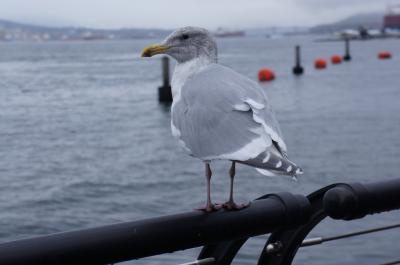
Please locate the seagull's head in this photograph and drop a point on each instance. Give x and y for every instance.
(185, 44)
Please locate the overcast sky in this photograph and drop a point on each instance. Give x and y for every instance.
(175, 13)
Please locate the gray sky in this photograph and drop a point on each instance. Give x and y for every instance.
(175, 13)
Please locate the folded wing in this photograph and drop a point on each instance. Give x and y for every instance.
(224, 115)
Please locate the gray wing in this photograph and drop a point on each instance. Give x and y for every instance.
(224, 115)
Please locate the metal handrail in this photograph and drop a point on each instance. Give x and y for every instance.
(289, 218)
(339, 201)
(355, 200)
(133, 240)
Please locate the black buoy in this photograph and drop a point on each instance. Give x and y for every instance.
(347, 56)
(164, 91)
(298, 69)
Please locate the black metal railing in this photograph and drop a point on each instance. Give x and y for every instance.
(289, 218)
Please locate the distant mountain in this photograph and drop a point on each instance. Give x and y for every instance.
(13, 31)
(5, 24)
(369, 21)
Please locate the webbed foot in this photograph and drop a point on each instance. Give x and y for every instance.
(232, 206)
(209, 208)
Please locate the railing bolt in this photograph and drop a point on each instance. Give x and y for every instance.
(274, 247)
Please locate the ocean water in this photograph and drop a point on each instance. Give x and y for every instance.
(84, 142)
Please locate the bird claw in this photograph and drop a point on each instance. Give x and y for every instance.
(209, 208)
(232, 206)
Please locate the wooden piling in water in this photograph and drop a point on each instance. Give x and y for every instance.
(164, 91)
(297, 69)
(347, 56)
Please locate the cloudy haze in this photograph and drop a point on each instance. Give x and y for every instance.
(175, 13)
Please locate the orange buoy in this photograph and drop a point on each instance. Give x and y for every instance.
(336, 59)
(384, 55)
(320, 63)
(266, 74)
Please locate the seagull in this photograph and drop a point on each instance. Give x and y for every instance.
(219, 114)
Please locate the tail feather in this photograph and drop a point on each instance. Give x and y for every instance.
(272, 163)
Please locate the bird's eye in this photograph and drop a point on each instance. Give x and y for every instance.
(185, 36)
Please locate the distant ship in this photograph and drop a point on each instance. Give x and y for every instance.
(392, 17)
(223, 33)
(390, 28)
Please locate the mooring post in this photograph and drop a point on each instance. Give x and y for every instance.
(347, 56)
(164, 91)
(297, 69)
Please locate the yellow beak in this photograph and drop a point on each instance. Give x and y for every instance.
(154, 49)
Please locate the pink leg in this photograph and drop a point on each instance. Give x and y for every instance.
(230, 204)
(209, 206)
